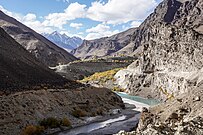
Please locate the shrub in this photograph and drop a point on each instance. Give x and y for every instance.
(79, 113)
(50, 123)
(33, 130)
(99, 111)
(117, 89)
(66, 122)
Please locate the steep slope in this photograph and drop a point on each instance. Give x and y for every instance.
(169, 68)
(171, 57)
(44, 50)
(19, 69)
(104, 46)
(181, 116)
(63, 41)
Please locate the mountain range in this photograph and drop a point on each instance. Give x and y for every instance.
(64, 41)
(106, 46)
(169, 68)
(44, 50)
(30, 92)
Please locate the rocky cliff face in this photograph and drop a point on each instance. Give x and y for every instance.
(43, 49)
(171, 51)
(105, 46)
(170, 67)
(181, 116)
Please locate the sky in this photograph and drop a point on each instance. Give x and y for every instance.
(88, 19)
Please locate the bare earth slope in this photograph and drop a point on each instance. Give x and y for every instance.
(21, 109)
(43, 49)
(106, 46)
(19, 69)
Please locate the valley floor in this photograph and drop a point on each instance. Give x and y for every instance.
(125, 119)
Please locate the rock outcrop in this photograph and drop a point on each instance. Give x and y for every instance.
(171, 58)
(43, 49)
(182, 116)
(107, 46)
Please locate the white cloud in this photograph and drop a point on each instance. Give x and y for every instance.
(119, 11)
(30, 17)
(15, 15)
(113, 12)
(74, 10)
(98, 28)
(80, 33)
(135, 24)
(29, 20)
(101, 30)
(76, 25)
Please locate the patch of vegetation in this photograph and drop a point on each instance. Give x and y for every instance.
(79, 113)
(54, 123)
(102, 77)
(117, 89)
(65, 122)
(99, 111)
(45, 124)
(33, 130)
(50, 123)
(114, 59)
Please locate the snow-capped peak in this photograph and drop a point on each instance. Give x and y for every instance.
(64, 41)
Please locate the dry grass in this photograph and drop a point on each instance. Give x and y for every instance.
(33, 130)
(79, 113)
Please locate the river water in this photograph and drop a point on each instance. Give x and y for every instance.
(127, 120)
(149, 102)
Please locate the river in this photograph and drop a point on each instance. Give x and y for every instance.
(126, 120)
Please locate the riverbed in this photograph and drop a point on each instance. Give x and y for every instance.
(125, 120)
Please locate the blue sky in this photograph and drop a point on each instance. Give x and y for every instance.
(88, 19)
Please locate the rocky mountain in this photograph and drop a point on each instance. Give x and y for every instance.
(43, 49)
(106, 46)
(63, 41)
(169, 68)
(20, 70)
(170, 59)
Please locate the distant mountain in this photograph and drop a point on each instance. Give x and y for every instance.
(43, 49)
(19, 69)
(64, 41)
(105, 46)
